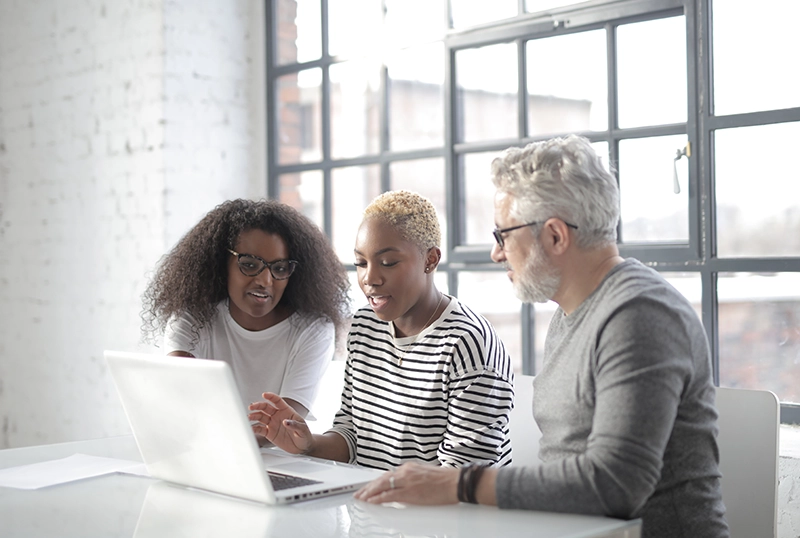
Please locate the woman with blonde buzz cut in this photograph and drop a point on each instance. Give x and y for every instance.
(427, 379)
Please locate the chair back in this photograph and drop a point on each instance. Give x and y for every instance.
(749, 423)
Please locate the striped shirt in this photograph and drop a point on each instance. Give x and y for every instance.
(443, 396)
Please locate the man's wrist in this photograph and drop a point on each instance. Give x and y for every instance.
(468, 478)
(485, 490)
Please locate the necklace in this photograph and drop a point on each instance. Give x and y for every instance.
(413, 344)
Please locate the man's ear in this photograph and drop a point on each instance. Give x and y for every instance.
(556, 236)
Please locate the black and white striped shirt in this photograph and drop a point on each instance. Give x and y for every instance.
(443, 396)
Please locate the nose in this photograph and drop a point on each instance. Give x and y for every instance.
(498, 254)
(370, 275)
(264, 278)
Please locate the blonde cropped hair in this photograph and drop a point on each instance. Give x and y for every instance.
(411, 214)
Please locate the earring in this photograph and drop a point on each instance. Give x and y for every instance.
(427, 269)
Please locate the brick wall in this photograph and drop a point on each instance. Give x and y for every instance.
(121, 123)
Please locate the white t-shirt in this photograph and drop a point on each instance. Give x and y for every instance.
(288, 359)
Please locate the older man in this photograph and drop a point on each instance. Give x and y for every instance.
(625, 399)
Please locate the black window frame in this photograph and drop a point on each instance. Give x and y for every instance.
(698, 256)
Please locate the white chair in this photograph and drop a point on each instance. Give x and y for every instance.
(749, 422)
(523, 429)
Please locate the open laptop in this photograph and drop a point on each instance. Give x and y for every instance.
(187, 417)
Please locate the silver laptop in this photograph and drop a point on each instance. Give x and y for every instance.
(187, 417)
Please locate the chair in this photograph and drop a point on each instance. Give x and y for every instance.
(523, 429)
(748, 451)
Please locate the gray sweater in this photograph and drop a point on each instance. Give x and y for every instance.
(625, 403)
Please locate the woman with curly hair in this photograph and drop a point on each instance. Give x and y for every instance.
(257, 285)
(427, 379)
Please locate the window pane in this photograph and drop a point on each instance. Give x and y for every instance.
(298, 35)
(567, 84)
(479, 197)
(532, 6)
(651, 58)
(410, 22)
(355, 109)
(491, 295)
(416, 97)
(486, 79)
(759, 332)
(601, 148)
(303, 191)
(755, 65)
(651, 211)
(299, 117)
(425, 176)
(355, 27)
(352, 189)
(690, 285)
(466, 13)
(757, 193)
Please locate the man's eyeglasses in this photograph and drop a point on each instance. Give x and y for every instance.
(251, 265)
(498, 233)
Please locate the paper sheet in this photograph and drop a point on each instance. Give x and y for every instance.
(75, 467)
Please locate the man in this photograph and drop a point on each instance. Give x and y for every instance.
(625, 399)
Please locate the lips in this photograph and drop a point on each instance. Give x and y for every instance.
(260, 295)
(509, 271)
(378, 302)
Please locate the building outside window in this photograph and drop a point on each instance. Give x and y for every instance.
(699, 125)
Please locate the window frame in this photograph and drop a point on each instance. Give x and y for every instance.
(698, 256)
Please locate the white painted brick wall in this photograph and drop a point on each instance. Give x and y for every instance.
(121, 124)
(789, 498)
(212, 121)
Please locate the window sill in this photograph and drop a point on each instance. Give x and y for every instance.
(789, 441)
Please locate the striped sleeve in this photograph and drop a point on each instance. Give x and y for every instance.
(481, 397)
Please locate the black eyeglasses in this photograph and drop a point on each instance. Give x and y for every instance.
(251, 265)
(498, 233)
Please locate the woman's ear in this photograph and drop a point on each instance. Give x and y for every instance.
(432, 258)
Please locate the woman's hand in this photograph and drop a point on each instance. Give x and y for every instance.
(281, 424)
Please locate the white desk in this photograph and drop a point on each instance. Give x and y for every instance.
(125, 506)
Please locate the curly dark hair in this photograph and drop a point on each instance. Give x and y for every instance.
(193, 277)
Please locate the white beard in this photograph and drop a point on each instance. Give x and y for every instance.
(537, 281)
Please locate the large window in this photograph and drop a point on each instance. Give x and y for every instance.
(698, 123)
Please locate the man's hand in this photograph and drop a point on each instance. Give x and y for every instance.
(413, 483)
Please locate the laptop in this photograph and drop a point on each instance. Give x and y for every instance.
(187, 418)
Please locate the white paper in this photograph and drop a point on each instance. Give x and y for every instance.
(75, 467)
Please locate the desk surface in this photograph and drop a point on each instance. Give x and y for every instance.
(125, 506)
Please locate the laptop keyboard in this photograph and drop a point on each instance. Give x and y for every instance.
(285, 481)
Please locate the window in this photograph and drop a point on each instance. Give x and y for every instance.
(370, 95)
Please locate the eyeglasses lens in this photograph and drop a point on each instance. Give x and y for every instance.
(252, 266)
(498, 236)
